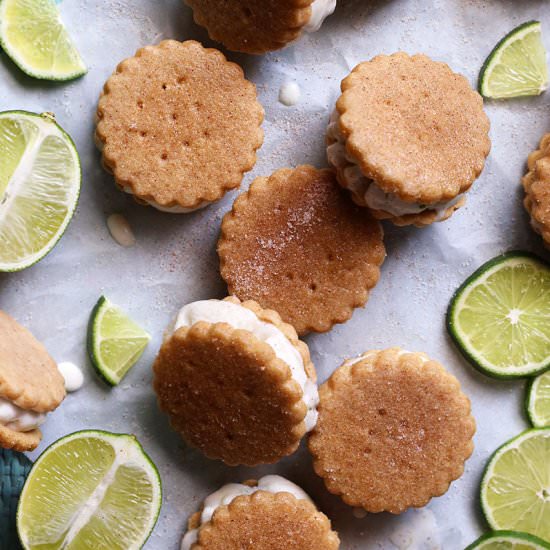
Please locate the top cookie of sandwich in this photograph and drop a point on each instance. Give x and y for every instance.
(414, 126)
(537, 189)
(296, 243)
(29, 377)
(252, 27)
(179, 125)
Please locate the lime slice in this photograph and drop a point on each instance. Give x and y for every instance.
(500, 317)
(33, 35)
(90, 490)
(39, 187)
(538, 401)
(508, 540)
(515, 489)
(115, 342)
(517, 65)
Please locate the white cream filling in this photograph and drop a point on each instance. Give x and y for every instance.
(17, 419)
(239, 317)
(170, 209)
(225, 495)
(320, 10)
(356, 181)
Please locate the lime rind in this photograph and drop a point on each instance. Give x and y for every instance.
(496, 540)
(34, 29)
(537, 403)
(46, 124)
(529, 484)
(527, 76)
(121, 443)
(126, 332)
(478, 361)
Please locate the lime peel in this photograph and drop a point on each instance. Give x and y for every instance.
(111, 495)
(40, 178)
(115, 342)
(499, 316)
(514, 493)
(512, 540)
(538, 401)
(517, 65)
(34, 37)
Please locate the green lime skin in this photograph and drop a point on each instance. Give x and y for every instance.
(453, 333)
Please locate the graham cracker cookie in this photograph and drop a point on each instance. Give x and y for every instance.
(408, 138)
(249, 516)
(294, 242)
(394, 430)
(236, 382)
(259, 27)
(30, 386)
(536, 184)
(178, 125)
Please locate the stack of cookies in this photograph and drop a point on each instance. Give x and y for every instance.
(178, 126)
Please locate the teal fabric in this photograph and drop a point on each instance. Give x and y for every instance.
(14, 468)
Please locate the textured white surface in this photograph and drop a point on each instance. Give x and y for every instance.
(174, 260)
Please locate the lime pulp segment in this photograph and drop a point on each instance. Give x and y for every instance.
(538, 401)
(500, 317)
(517, 65)
(115, 341)
(39, 187)
(90, 489)
(515, 490)
(508, 540)
(33, 35)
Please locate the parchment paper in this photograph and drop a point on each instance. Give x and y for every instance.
(174, 261)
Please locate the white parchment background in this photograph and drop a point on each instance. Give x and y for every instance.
(174, 261)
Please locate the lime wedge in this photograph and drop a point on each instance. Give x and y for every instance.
(515, 489)
(39, 187)
(90, 489)
(508, 540)
(500, 317)
(517, 65)
(115, 342)
(538, 401)
(33, 35)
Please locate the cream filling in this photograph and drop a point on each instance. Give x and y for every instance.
(239, 317)
(374, 197)
(225, 495)
(320, 10)
(170, 209)
(17, 419)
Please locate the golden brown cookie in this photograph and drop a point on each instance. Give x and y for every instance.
(261, 26)
(262, 520)
(30, 386)
(178, 125)
(408, 138)
(236, 382)
(394, 430)
(537, 189)
(294, 242)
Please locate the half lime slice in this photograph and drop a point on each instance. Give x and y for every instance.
(538, 401)
(508, 540)
(115, 342)
(515, 490)
(500, 317)
(39, 187)
(517, 65)
(91, 489)
(33, 35)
